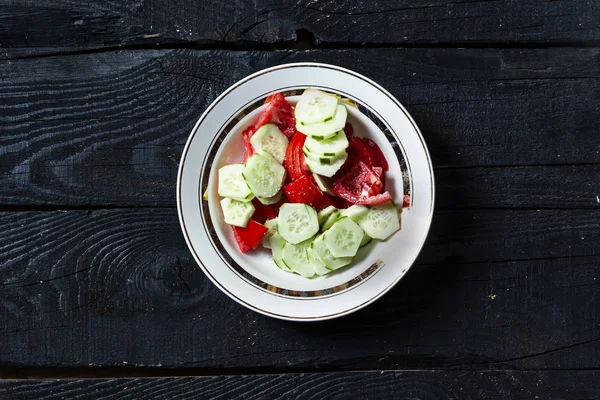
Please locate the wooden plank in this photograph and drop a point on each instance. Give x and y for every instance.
(486, 385)
(119, 288)
(99, 24)
(108, 129)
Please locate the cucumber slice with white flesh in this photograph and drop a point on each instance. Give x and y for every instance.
(332, 219)
(271, 225)
(327, 170)
(327, 128)
(323, 184)
(355, 212)
(318, 158)
(325, 213)
(319, 268)
(315, 106)
(366, 240)
(332, 147)
(263, 175)
(270, 200)
(232, 183)
(236, 212)
(322, 252)
(344, 237)
(381, 221)
(295, 257)
(270, 139)
(277, 243)
(297, 222)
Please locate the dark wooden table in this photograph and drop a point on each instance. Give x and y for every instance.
(97, 100)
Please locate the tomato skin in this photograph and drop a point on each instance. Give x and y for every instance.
(349, 130)
(294, 162)
(357, 183)
(262, 212)
(249, 237)
(406, 201)
(362, 151)
(304, 190)
(280, 112)
(377, 199)
(377, 154)
(248, 149)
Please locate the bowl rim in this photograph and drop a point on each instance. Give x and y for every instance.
(182, 164)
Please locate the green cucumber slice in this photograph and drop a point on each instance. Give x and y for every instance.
(270, 139)
(296, 259)
(315, 106)
(232, 183)
(319, 268)
(381, 221)
(344, 237)
(332, 147)
(324, 255)
(366, 240)
(355, 212)
(326, 170)
(271, 225)
(327, 129)
(325, 213)
(263, 175)
(297, 222)
(236, 212)
(270, 200)
(318, 158)
(277, 243)
(332, 219)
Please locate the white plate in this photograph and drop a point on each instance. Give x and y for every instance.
(252, 279)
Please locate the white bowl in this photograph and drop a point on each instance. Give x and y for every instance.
(252, 279)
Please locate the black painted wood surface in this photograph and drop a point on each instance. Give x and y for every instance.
(97, 100)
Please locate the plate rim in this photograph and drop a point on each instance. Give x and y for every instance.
(182, 164)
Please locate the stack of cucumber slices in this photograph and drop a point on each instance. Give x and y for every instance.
(314, 244)
(321, 117)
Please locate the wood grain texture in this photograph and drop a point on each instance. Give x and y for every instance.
(406, 385)
(108, 129)
(491, 289)
(96, 24)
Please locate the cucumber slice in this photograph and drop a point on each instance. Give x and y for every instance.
(355, 212)
(232, 183)
(270, 200)
(315, 106)
(324, 255)
(328, 128)
(263, 175)
(366, 240)
(236, 212)
(271, 225)
(297, 222)
(270, 139)
(325, 213)
(323, 184)
(318, 158)
(332, 219)
(332, 147)
(296, 259)
(277, 243)
(381, 221)
(343, 238)
(326, 170)
(319, 268)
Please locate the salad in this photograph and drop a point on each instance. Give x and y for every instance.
(307, 187)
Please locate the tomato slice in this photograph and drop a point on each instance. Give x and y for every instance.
(406, 201)
(362, 151)
(262, 212)
(378, 198)
(357, 183)
(248, 149)
(349, 130)
(377, 154)
(294, 162)
(280, 112)
(378, 171)
(304, 190)
(249, 237)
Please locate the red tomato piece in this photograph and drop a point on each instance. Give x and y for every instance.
(280, 112)
(294, 161)
(262, 212)
(377, 154)
(362, 151)
(349, 130)
(357, 183)
(378, 171)
(304, 190)
(406, 201)
(249, 237)
(248, 149)
(378, 198)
